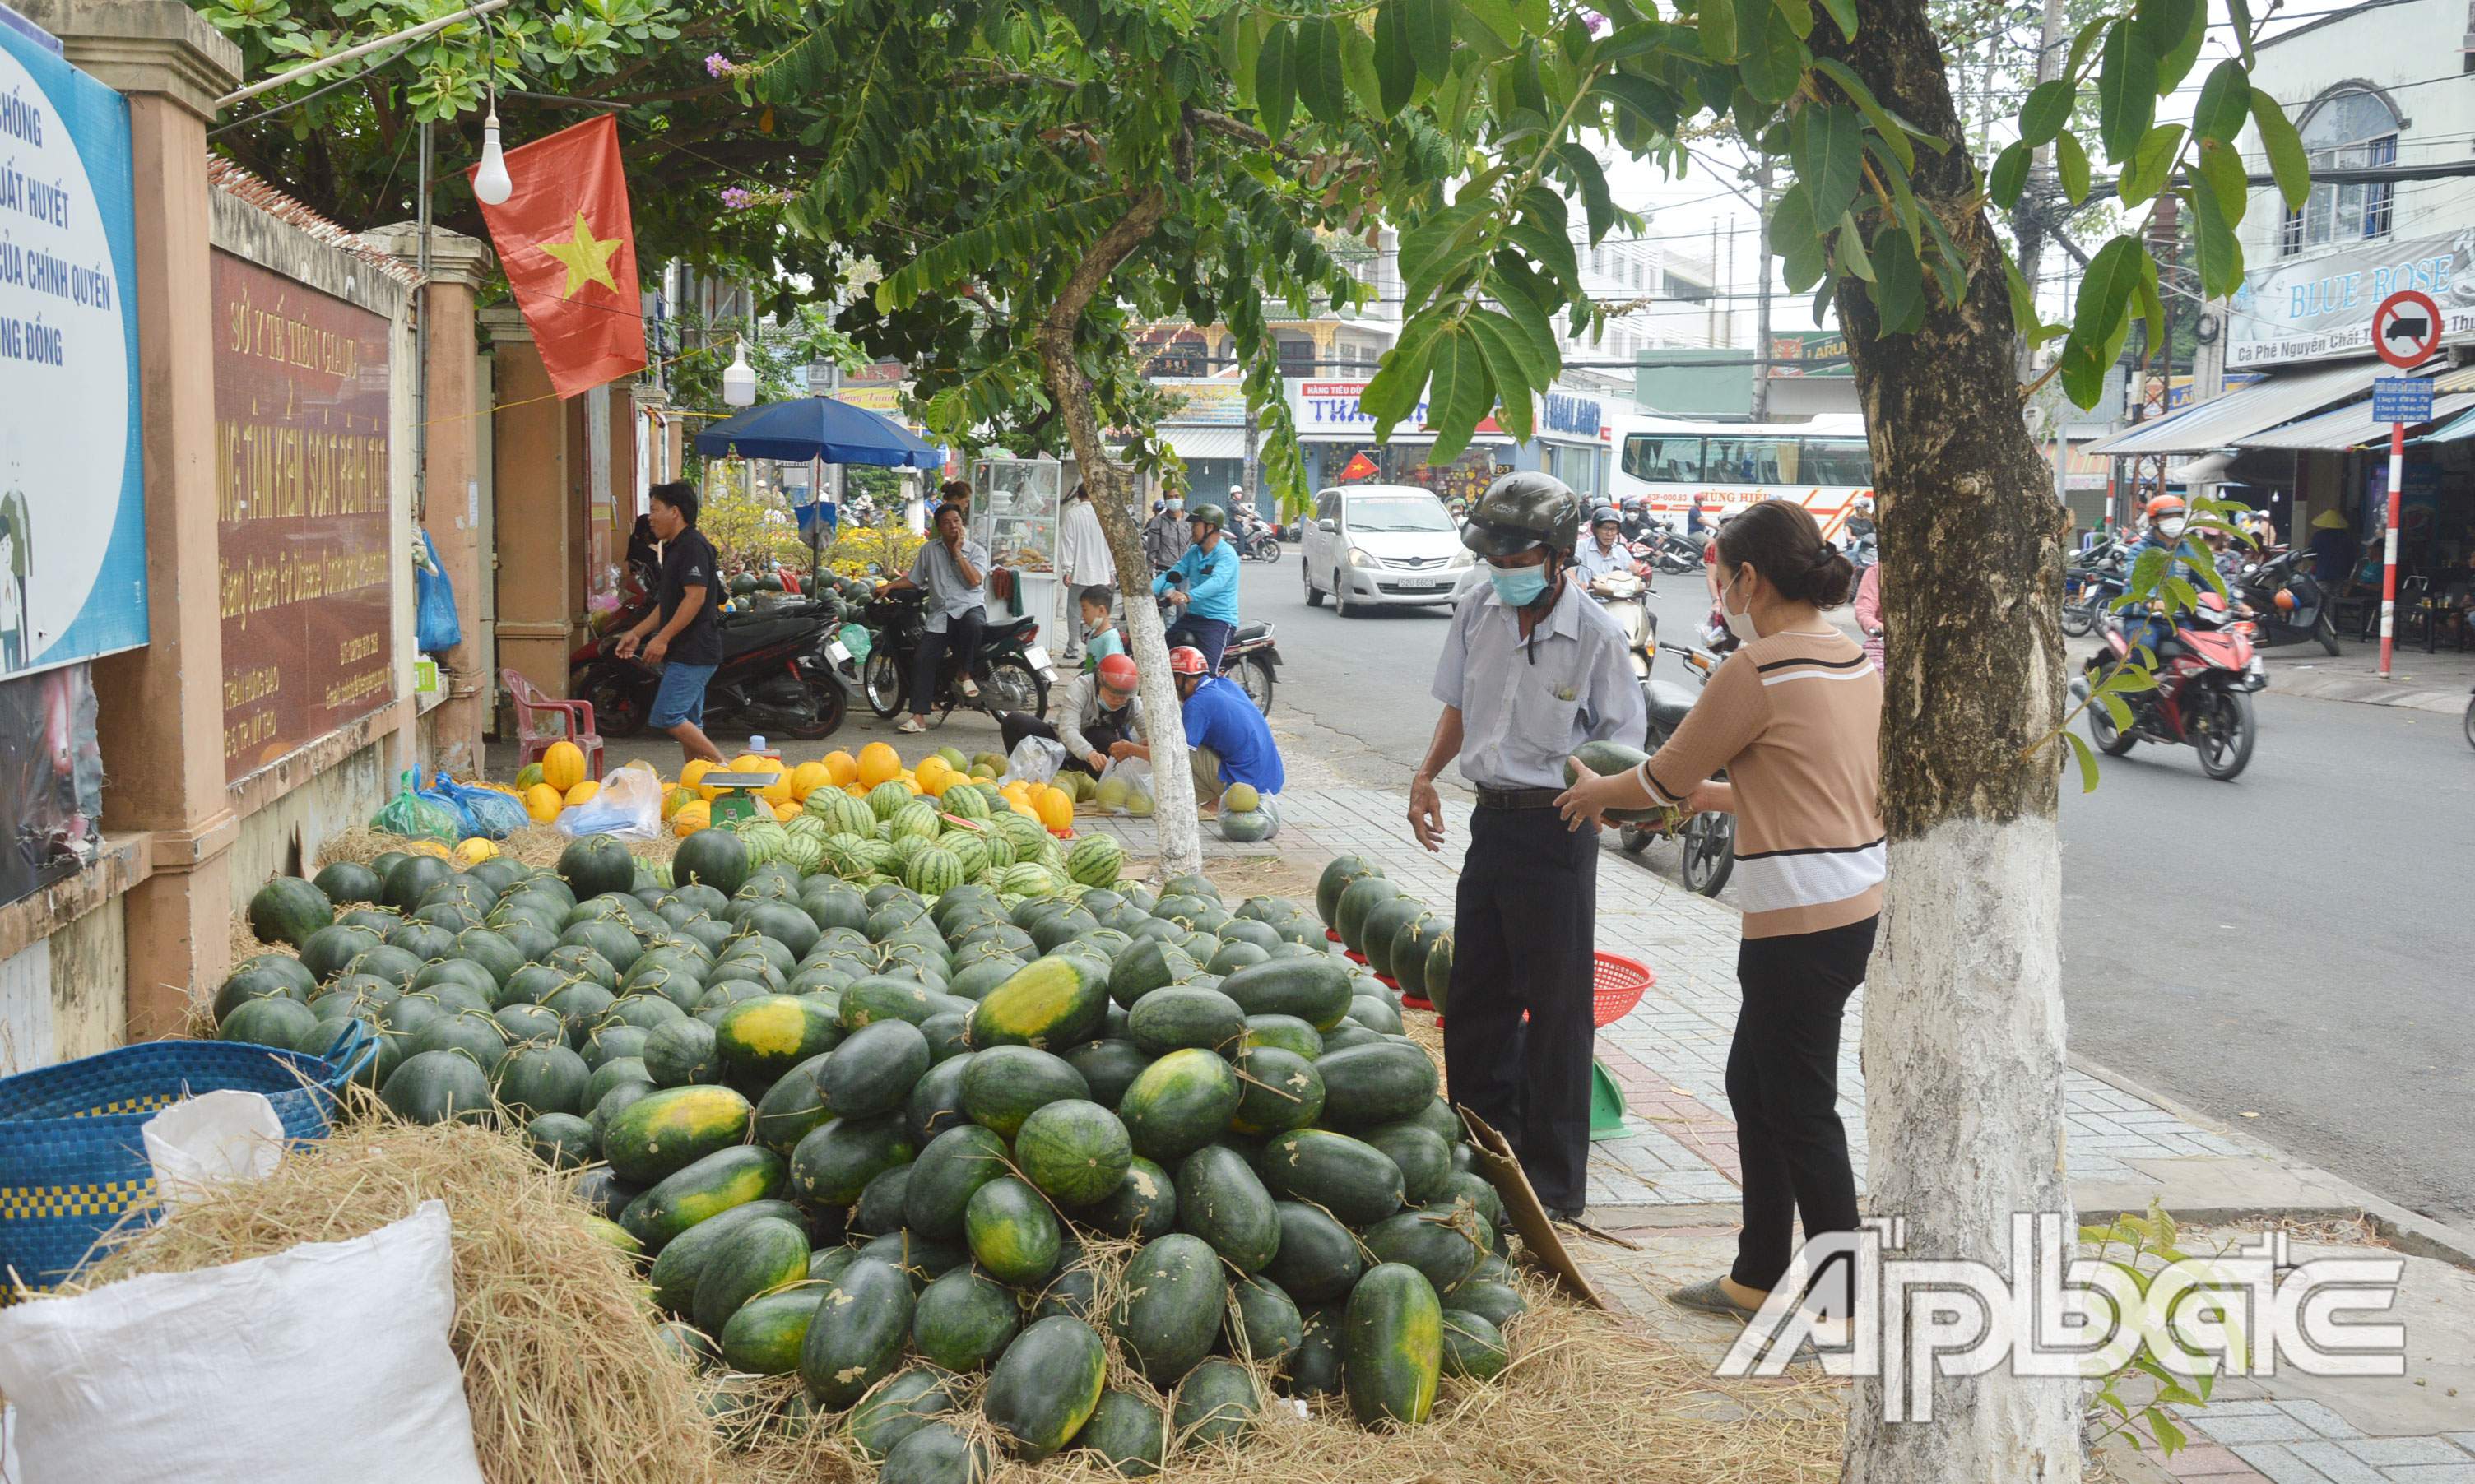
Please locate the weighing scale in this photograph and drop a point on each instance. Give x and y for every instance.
(737, 802)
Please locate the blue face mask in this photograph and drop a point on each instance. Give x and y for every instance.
(1520, 586)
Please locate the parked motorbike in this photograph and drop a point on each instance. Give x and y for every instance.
(1250, 658)
(1671, 550)
(1013, 671)
(2091, 580)
(1258, 540)
(777, 676)
(1625, 598)
(2205, 675)
(2288, 605)
(1708, 838)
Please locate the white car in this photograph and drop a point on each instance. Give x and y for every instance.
(1383, 546)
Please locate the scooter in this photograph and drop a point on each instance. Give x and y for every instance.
(1625, 599)
(1708, 838)
(1250, 658)
(2289, 606)
(777, 676)
(2206, 674)
(1258, 541)
(1674, 552)
(1013, 671)
(2091, 579)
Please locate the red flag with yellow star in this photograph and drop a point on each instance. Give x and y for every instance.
(569, 248)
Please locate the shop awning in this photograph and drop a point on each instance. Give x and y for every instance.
(2228, 421)
(1205, 440)
(2349, 427)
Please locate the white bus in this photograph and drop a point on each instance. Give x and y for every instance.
(1825, 463)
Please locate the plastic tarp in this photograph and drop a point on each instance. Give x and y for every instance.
(2227, 421)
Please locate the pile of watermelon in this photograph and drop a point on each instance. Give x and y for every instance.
(893, 836)
(875, 1138)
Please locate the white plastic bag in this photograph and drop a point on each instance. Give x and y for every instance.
(629, 806)
(324, 1363)
(202, 1142)
(1035, 760)
(1123, 783)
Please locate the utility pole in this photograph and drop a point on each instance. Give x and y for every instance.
(2042, 196)
(1761, 406)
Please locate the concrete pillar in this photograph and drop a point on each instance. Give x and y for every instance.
(161, 708)
(452, 518)
(536, 552)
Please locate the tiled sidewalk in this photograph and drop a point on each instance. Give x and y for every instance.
(2306, 1442)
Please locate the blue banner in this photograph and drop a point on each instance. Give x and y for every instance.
(72, 498)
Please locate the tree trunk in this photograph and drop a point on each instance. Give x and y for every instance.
(1110, 485)
(1963, 1039)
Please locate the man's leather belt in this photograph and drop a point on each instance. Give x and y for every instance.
(1518, 798)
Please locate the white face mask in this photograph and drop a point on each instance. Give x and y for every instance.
(1740, 625)
(2170, 527)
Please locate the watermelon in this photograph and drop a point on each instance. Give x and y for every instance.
(1046, 1386)
(349, 880)
(936, 1102)
(712, 1184)
(862, 1324)
(1496, 1301)
(1382, 923)
(885, 997)
(766, 1036)
(966, 803)
(275, 1020)
(1179, 1104)
(287, 909)
(681, 1264)
(536, 1079)
(666, 1132)
(1424, 1158)
(761, 1255)
(1363, 897)
(1013, 1233)
(1368, 1085)
(1076, 1152)
(1392, 1346)
(324, 952)
(1280, 1090)
(1314, 1371)
(1144, 1205)
(1220, 1199)
(1178, 1017)
(887, 799)
(1109, 1067)
(678, 1053)
(1315, 990)
(434, 1087)
(595, 864)
(1004, 1084)
(1215, 1403)
(1096, 859)
(563, 1141)
(1441, 1244)
(833, 1164)
(899, 1406)
(872, 1072)
(1171, 1310)
(1338, 877)
(1474, 1349)
(411, 878)
(1127, 1432)
(964, 1319)
(948, 1172)
(933, 870)
(765, 1336)
(1318, 1260)
(839, 812)
(880, 1202)
(1264, 1326)
(917, 817)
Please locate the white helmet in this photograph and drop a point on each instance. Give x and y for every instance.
(1236, 489)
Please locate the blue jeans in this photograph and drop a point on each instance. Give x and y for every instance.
(682, 697)
(1208, 635)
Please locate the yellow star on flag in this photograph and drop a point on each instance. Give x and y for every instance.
(587, 259)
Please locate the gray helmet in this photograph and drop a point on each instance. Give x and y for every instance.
(1209, 513)
(1521, 511)
(1605, 515)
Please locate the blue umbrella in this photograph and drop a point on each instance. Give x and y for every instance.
(817, 428)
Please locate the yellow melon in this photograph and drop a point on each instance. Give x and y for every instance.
(582, 793)
(878, 763)
(691, 817)
(841, 768)
(544, 802)
(563, 766)
(807, 778)
(787, 810)
(1055, 808)
(694, 769)
(474, 851)
(676, 800)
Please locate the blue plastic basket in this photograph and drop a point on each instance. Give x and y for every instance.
(73, 1164)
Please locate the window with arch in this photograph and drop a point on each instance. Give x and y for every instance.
(2350, 129)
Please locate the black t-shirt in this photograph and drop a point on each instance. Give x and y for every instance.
(688, 561)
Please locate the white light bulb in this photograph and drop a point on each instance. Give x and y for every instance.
(491, 186)
(739, 380)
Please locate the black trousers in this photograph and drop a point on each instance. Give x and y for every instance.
(1523, 925)
(962, 639)
(1783, 1083)
(1012, 726)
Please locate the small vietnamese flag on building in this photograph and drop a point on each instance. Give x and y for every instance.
(568, 244)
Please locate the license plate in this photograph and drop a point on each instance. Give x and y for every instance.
(1038, 658)
(837, 651)
(1422, 582)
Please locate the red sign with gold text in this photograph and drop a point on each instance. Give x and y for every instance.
(302, 502)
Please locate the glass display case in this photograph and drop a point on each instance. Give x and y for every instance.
(1015, 504)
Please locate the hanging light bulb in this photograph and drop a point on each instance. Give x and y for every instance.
(739, 380)
(491, 184)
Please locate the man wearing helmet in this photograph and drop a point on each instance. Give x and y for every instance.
(1226, 738)
(2168, 520)
(1529, 671)
(1203, 583)
(1100, 712)
(1604, 551)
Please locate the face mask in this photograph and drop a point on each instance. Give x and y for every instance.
(2171, 527)
(1740, 625)
(1520, 586)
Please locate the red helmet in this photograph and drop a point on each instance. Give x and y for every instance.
(1186, 660)
(2285, 601)
(1118, 673)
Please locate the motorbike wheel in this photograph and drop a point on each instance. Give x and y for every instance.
(1013, 686)
(880, 682)
(2326, 632)
(1632, 839)
(1710, 842)
(2079, 620)
(1266, 549)
(831, 707)
(2224, 742)
(619, 709)
(1314, 594)
(1254, 676)
(2110, 740)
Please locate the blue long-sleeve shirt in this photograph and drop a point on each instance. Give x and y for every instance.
(1210, 580)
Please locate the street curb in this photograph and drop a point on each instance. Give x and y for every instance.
(2366, 692)
(2405, 1229)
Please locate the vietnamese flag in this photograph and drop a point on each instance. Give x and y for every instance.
(568, 244)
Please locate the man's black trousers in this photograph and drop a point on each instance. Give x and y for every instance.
(961, 640)
(1523, 924)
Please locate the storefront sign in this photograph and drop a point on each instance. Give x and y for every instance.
(1220, 404)
(1332, 407)
(2313, 308)
(887, 399)
(72, 504)
(303, 490)
(1566, 413)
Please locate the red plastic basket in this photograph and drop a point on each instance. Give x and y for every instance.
(1617, 986)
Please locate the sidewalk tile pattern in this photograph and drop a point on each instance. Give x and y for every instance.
(2306, 1442)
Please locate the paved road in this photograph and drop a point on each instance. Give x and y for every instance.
(2305, 960)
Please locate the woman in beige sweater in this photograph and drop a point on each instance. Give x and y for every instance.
(1794, 719)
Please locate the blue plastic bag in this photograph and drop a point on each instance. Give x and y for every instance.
(466, 826)
(437, 629)
(417, 815)
(496, 816)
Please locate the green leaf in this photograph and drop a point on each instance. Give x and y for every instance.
(1276, 79)
(1459, 392)
(1794, 239)
(1821, 302)
(2048, 110)
(1432, 251)
(1596, 200)
(2240, 13)
(1898, 282)
(1498, 17)
(1392, 392)
(1501, 343)
(1510, 350)
(1895, 135)
(1626, 42)
(2222, 166)
(2101, 316)
(1428, 27)
(1827, 145)
(1396, 58)
(2286, 158)
(2086, 38)
(2146, 176)
(2087, 761)
(1768, 58)
(1799, 15)
(2146, 301)
(1357, 67)
(2221, 252)
(1521, 295)
(2126, 91)
(1322, 85)
(1950, 270)
(1241, 42)
(1651, 100)
(2072, 162)
(2171, 1439)
(2225, 103)
(2010, 175)
(1904, 196)
(2174, 60)
(1848, 249)
(1718, 22)
(1844, 14)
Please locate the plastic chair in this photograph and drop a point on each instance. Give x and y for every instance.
(574, 723)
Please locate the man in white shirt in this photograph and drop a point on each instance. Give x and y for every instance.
(1083, 560)
(1604, 551)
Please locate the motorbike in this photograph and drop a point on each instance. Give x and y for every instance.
(1625, 599)
(1671, 550)
(2091, 580)
(1250, 658)
(1258, 541)
(1708, 838)
(1013, 671)
(2206, 673)
(2291, 606)
(778, 676)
